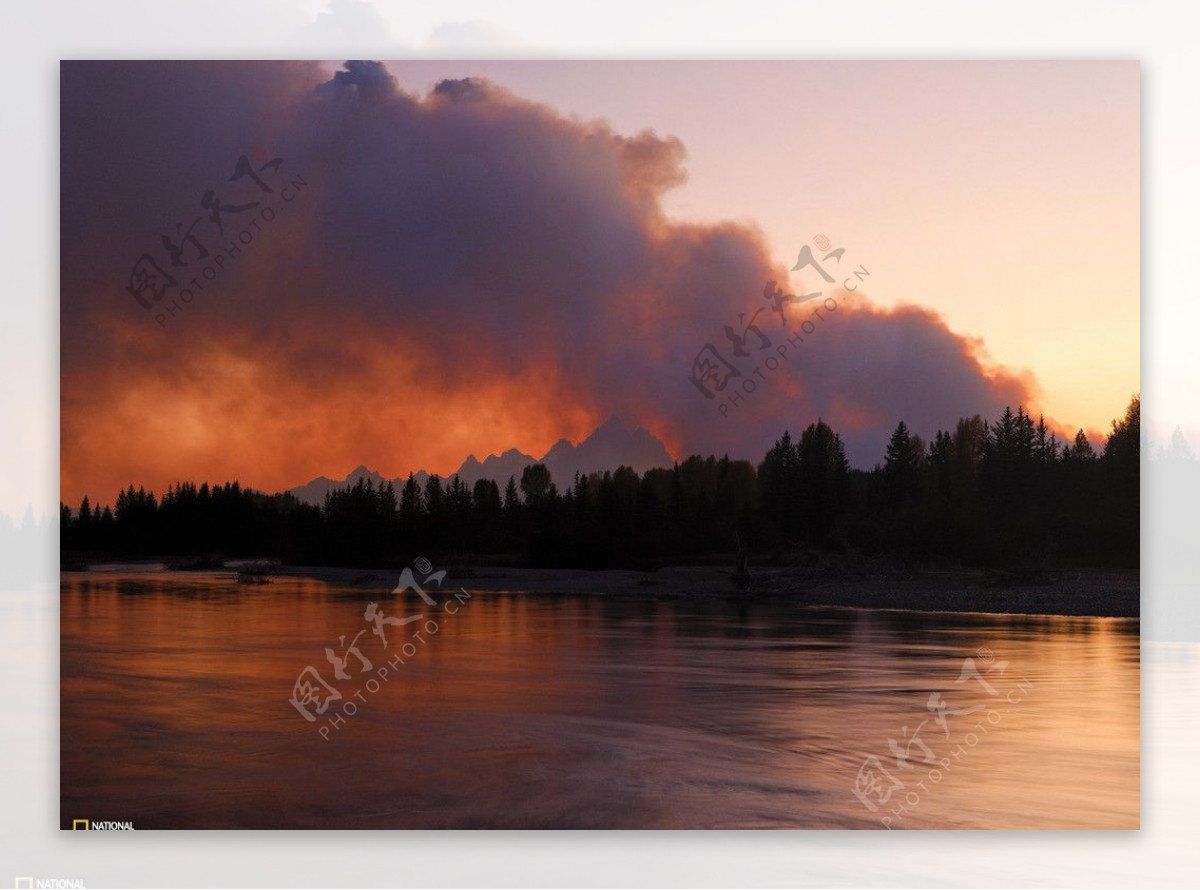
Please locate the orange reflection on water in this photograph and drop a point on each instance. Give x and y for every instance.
(524, 711)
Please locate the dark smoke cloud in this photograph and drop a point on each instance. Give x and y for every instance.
(465, 272)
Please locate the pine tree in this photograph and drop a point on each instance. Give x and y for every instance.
(1083, 452)
(435, 499)
(901, 467)
(411, 502)
(941, 462)
(822, 473)
(779, 479)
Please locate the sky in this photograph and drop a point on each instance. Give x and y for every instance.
(466, 266)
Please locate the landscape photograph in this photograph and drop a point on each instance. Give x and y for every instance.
(599, 445)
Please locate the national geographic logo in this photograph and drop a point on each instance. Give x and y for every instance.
(31, 883)
(92, 825)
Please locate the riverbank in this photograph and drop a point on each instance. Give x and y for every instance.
(1076, 592)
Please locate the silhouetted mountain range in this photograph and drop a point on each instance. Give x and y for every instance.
(314, 492)
(612, 445)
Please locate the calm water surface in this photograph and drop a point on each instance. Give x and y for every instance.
(585, 712)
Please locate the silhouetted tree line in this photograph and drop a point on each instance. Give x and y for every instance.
(985, 493)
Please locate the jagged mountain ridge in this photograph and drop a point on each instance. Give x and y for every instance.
(611, 445)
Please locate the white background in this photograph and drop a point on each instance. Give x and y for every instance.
(35, 36)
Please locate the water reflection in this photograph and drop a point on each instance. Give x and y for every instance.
(582, 712)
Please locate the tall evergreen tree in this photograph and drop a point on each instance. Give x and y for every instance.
(779, 476)
(512, 503)
(902, 467)
(822, 473)
(411, 503)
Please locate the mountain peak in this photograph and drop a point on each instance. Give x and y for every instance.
(613, 430)
(314, 491)
(613, 424)
(557, 448)
(612, 444)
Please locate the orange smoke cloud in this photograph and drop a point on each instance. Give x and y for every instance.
(464, 272)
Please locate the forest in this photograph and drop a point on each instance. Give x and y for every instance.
(998, 493)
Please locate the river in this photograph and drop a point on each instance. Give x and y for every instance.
(505, 710)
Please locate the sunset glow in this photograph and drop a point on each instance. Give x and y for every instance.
(483, 266)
